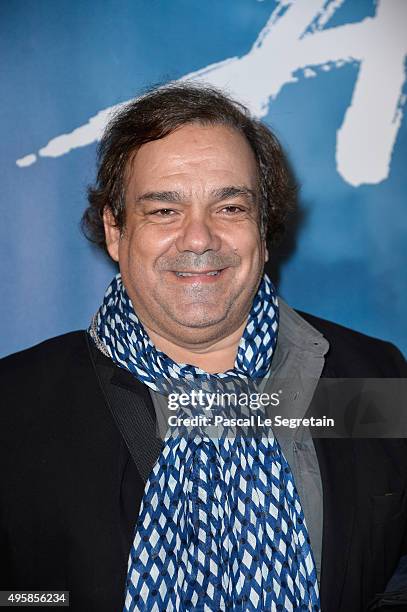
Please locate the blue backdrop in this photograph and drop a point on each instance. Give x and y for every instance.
(328, 76)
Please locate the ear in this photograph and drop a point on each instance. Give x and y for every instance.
(112, 234)
(266, 253)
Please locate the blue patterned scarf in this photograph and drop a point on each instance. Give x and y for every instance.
(220, 525)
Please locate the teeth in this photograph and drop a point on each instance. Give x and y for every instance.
(197, 273)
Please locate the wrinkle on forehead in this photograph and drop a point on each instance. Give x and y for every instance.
(199, 145)
(217, 194)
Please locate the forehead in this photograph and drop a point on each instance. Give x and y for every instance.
(194, 154)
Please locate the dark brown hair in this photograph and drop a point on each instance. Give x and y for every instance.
(158, 113)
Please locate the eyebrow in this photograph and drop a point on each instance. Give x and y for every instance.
(160, 196)
(221, 194)
(231, 191)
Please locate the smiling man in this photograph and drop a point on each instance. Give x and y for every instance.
(190, 195)
(192, 242)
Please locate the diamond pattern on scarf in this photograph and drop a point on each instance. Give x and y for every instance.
(220, 525)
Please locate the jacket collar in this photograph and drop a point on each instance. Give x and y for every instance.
(335, 459)
(296, 332)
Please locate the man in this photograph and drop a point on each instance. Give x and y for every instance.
(92, 501)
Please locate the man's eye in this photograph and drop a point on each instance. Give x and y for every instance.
(163, 212)
(232, 209)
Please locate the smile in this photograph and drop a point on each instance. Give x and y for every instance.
(208, 276)
(213, 273)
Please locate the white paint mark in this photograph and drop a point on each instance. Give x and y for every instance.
(81, 137)
(308, 73)
(28, 160)
(326, 14)
(293, 42)
(366, 138)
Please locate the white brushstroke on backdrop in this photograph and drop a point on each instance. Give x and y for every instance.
(293, 43)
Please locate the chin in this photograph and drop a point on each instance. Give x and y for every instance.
(200, 318)
(199, 322)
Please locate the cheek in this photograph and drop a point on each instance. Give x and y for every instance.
(139, 250)
(248, 245)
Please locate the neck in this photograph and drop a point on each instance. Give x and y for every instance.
(214, 358)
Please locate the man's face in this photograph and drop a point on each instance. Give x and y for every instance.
(191, 255)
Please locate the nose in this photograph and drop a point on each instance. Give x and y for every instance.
(198, 234)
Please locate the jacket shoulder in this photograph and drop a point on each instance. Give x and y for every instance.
(355, 354)
(48, 349)
(43, 385)
(45, 361)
